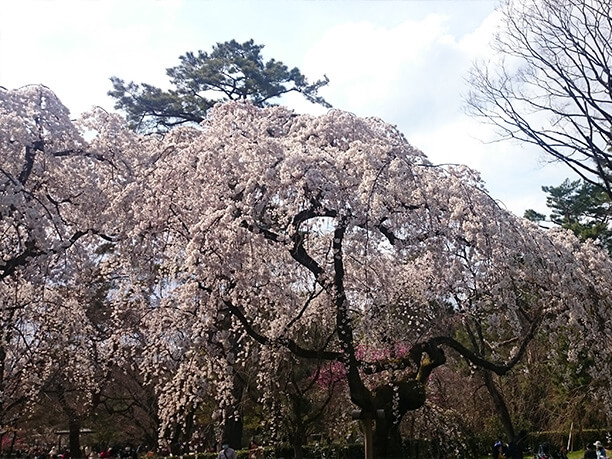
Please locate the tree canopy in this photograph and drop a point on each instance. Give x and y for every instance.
(262, 240)
(550, 84)
(332, 238)
(231, 71)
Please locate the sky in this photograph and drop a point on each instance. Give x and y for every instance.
(405, 61)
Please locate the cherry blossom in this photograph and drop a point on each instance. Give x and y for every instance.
(330, 235)
(56, 190)
(212, 251)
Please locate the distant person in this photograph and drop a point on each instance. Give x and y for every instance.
(599, 449)
(226, 452)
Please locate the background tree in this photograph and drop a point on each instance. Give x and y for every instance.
(266, 223)
(232, 71)
(305, 392)
(552, 83)
(39, 198)
(128, 409)
(56, 190)
(581, 207)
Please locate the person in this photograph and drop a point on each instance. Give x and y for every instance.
(226, 452)
(590, 452)
(599, 449)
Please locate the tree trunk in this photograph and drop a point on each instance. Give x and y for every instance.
(298, 450)
(409, 395)
(387, 439)
(13, 440)
(233, 426)
(175, 440)
(298, 440)
(2, 359)
(232, 431)
(74, 437)
(500, 405)
(74, 423)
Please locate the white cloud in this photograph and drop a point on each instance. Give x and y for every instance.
(477, 43)
(513, 173)
(74, 46)
(365, 60)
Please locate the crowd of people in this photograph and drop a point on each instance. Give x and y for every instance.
(226, 452)
(500, 450)
(545, 451)
(89, 453)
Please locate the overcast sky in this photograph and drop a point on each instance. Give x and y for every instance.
(403, 61)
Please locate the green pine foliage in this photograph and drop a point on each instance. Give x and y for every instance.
(231, 71)
(582, 207)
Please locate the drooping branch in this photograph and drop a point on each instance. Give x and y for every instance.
(290, 344)
(428, 355)
(497, 368)
(32, 250)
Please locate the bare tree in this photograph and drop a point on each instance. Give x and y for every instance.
(552, 83)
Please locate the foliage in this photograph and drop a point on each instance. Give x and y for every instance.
(582, 208)
(550, 85)
(232, 71)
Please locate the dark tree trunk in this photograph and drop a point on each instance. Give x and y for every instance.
(13, 440)
(74, 423)
(298, 446)
(232, 431)
(175, 441)
(74, 437)
(298, 440)
(233, 426)
(409, 395)
(387, 439)
(500, 405)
